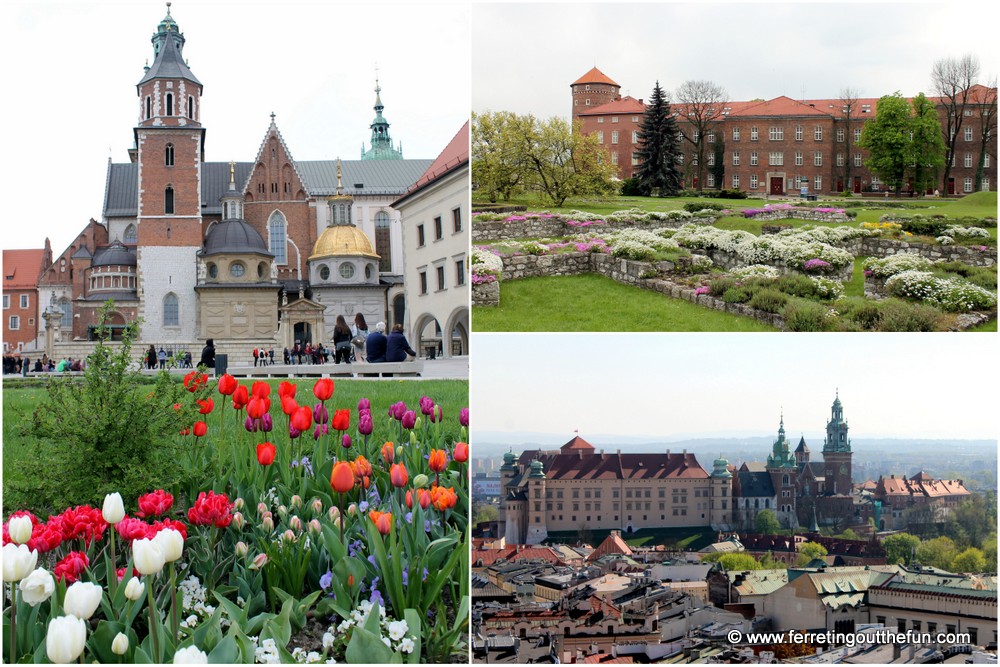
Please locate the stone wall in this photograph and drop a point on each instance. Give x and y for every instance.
(728, 260)
(486, 294)
(499, 230)
(562, 264)
(879, 247)
(801, 214)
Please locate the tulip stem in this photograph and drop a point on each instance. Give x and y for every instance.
(113, 580)
(341, 518)
(152, 619)
(173, 603)
(13, 623)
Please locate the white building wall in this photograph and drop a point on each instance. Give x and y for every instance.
(163, 270)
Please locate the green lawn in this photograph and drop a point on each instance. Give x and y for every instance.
(592, 302)
(681, 539)
(856, 285)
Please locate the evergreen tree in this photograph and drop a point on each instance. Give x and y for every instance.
(658, 148)
(718, 170)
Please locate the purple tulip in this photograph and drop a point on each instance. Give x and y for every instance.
(293, 432)
(397, 410)
(364, 404)
(346, 441)
(320, 415)
(409, 419)
(365, 425)
(426, 405)
(463, 417)
(436, 414)
(266, 423)
(320, 430)
(250, 425)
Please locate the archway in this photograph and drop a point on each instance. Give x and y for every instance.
(457, 329)
(427, 336)
(302, 333)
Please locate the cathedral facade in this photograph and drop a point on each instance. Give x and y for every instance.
(264, 253)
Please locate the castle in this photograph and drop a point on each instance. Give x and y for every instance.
(578, 488)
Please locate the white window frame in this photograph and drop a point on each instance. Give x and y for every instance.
(600, 136)
(798, 133)
(754, 159)
(857, 134)
(840, 159)
(984, 185)
(635, 160)
(798, 158)
(776, 159)
(753, 181)
(635, 136)
(710, 180)
(614, 119)
(968, 134)
(614, 136)
(818, 133)
(818, 183)
(968, 160)
(776, 133)
(736, 134)
(967, 184)
(736, 158)
(736, 181)
(818, 158)
(25, 301)
(600, 120)
(6, 301)
(14, 323)
(840, 135)
(857, 159)
(614, 158)
(753, 133)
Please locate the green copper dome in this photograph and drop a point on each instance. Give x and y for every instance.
(536, 469)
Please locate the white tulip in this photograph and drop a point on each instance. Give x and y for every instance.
(19, 529)
(190, 656)
(65, 639)
(37, 587)
(171, 543)
(114, 508)
(147, 555)
(18, 561)
(134, 589)
(120, 644)
(82, 599)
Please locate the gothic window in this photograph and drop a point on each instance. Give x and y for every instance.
(171, 314)
(149, 107)
(168, 201)
(383, 241)
(191, 107)
(278, 240)
(131, 234)
(170, 104)
(168, 155)
(66, 306)
(784, 479)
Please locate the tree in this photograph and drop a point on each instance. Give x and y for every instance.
(952, 78)
(730, 562)
(900, 548)
(849, 101)
(939, 552)
(970, 560)
(766, 523)
(926, 146)
(811, 551)
(887, 140)
(986, 103)
(485, 513)
(498, 165)
(718, 167)
(658, 149)
(563, 162)
(971, 521)
(701, 104)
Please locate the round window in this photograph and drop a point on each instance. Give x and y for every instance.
(368, 272)
(213, 271)
(346, 271)
(236, 270)
(324, 272)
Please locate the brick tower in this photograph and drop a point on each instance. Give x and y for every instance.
(169, 148)
(837, 452)
(592, 90)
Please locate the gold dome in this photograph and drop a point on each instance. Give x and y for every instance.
(343, 241)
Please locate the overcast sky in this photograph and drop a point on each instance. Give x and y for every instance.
(525, 56)
(70, 71)
(891, 385)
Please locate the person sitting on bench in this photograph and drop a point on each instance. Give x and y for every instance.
(396, 347)
(375, 344)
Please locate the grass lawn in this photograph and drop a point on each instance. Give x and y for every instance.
(856, 285)
(592, 302)
(681, 539)
(26, 485)
(985, 326)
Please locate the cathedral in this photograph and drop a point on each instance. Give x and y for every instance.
(251, 254)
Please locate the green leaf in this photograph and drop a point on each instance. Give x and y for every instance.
(412, 618)
(279, 628)
(209, 633)
(141, 657)
(99, 642)
(227, 652)
(365, 647)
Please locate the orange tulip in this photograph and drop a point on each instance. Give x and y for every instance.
(398, 475)
(461, 453)
(342, 477)
(364, 467)
(323, 389)
(438, 460)
(444, 499)
(382, 521)
(388, 452)
(200, 429)
(287, 389)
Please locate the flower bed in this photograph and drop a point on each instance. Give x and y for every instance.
(772, 212)
(310, 532)
(494, 227)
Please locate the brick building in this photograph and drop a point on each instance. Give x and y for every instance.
(778, 146)
(298, 242)
(21, 269)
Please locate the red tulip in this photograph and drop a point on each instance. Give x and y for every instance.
(288, 405)
(265, 453)
(388, 452)
(200, 429)
(261, 389)
(206, 405)
(323, 389)
(287, 389)
(398, 475)
(461, 453)
(341, 420)
(227, 385)
(240, 397)
(342, 477)
(194, 381)
(438, 460)
(256, 408)
(185, 431)
(211, 509)
(155, 503)
(302, 418)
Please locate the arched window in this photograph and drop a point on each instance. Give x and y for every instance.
(131, 234)
(277, 238)
(170, 104)
(149, 107)
(168, 155)
(191, 107)
(66, 306)
(168, 200)
(171, 310)
(383, 241)
(398, 309)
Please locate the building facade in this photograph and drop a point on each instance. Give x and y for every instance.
(781, 146)
(21, 269)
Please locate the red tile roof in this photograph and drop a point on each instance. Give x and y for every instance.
(625, 106)
(920, 485)
(595, 76)
(779, 106)
(586, 464)
(21, 268)
(613, 544)
(577, 443)
(454, 155)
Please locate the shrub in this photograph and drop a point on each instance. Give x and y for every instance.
(630, 188)
(720, 286)
(918, 224)
(985, 277)
(633, 250)
(827, 288)
(865, 313)
(732, 194)
(951, 294)
(756, 271)
(769, 300)
(796, 284)
(695, 206)
(897, 315)
(893, 264)
(736, 295)
(806, 316)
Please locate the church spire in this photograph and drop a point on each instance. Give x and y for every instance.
(382, 148)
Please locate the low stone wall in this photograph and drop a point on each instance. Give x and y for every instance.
(728, 260)
(486, 294)
(879, 247)
(499, 230)
(562, 264)
(686, 293)
(802, 214)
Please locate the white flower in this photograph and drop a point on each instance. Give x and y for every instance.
(82, 599)
(406, 646)
(18, 561)
(114, 509)
(148, 557)
(65, 639)
(171, 543)
(190, 656)
(37, 587)
(19, 529)
(328, 640)
(385, 640)
(313, 657)
(134, 589)
(397, 629)
(120, 644)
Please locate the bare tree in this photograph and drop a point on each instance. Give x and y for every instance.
(701, 104)
(952, 78)
(986, 101)
(849, 109)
